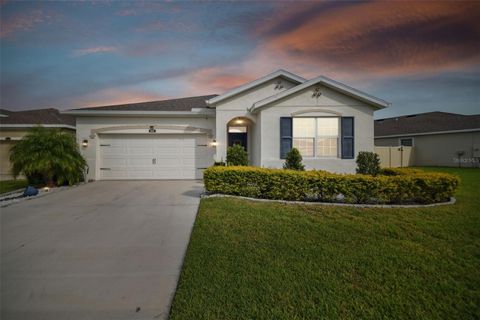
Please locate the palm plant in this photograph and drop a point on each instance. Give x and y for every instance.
(50, 154)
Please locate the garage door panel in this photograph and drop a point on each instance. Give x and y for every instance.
(139, 162)
(176, 156)
(112, 174)
(172, 153)
(135, 150)
(189, 162)
(114, 162)
(139, 173)
(166, 151)
(113, 150)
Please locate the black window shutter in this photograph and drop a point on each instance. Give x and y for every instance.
(285, 136)
(348, 138)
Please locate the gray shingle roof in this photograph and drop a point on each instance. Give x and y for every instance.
(33, 117)
(426, 122)
(181, 104)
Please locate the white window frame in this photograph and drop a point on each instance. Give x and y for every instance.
(406, 138)
(315, 155)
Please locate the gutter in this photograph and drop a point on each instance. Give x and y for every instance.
(108, 113)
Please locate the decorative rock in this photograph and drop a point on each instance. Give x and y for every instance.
(30, 191)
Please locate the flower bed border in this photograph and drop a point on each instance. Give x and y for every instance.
(338, 204)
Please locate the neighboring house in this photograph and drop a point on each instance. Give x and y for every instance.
(327, 121)
(437, 138)
(15, 124)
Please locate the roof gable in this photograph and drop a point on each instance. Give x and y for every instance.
(279, 73)
(332, 84)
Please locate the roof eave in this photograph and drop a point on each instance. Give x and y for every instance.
(32, 125)
(90, 113)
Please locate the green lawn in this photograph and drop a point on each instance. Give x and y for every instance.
(11, 185)
(249, 260)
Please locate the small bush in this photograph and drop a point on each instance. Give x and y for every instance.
(237, 156)
(48, 156)
(368, 163)
(292, 185)
(293, 160)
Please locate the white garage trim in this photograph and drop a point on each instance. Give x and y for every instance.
(180, 128)
(154, 157)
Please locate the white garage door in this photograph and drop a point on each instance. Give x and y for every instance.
(153, 156)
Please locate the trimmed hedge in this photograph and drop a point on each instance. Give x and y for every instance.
(392, 186)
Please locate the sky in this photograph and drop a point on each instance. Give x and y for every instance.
(419, 56)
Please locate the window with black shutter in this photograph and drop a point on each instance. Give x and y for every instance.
(348, 139)
(285, 136)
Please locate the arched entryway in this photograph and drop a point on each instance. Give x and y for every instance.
(238, 132)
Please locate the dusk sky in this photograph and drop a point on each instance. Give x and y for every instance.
(420, 56)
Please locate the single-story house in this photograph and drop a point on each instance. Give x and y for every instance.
(437, 138)
(15, 124)
(329, 122)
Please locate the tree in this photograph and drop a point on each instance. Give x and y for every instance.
(293, 160)
(48, 155)
(368, 163)
(237, 156)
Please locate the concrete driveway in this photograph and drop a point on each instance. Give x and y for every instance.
(104, 250)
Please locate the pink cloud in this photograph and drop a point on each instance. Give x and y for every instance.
(216, 79)
(375, 38)
(114, 96)
(355, 42)
(23, 21)
(93, 50)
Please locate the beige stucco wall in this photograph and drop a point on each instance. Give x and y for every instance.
(263, 140)
(330, 103)
(5, 168)
(266, 123)
(85, 125)
(237, 106)
(13, 133)
(440, 149)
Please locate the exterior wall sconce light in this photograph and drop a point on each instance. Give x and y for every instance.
(151, 129)
(85, 143)
(214, 143)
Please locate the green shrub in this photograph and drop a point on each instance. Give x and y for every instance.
(48, 156)
(293, 160)
(399, 171)
(416, 187)
(237, 156)
(368, 163)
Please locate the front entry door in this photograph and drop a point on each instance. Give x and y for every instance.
(237, 138)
